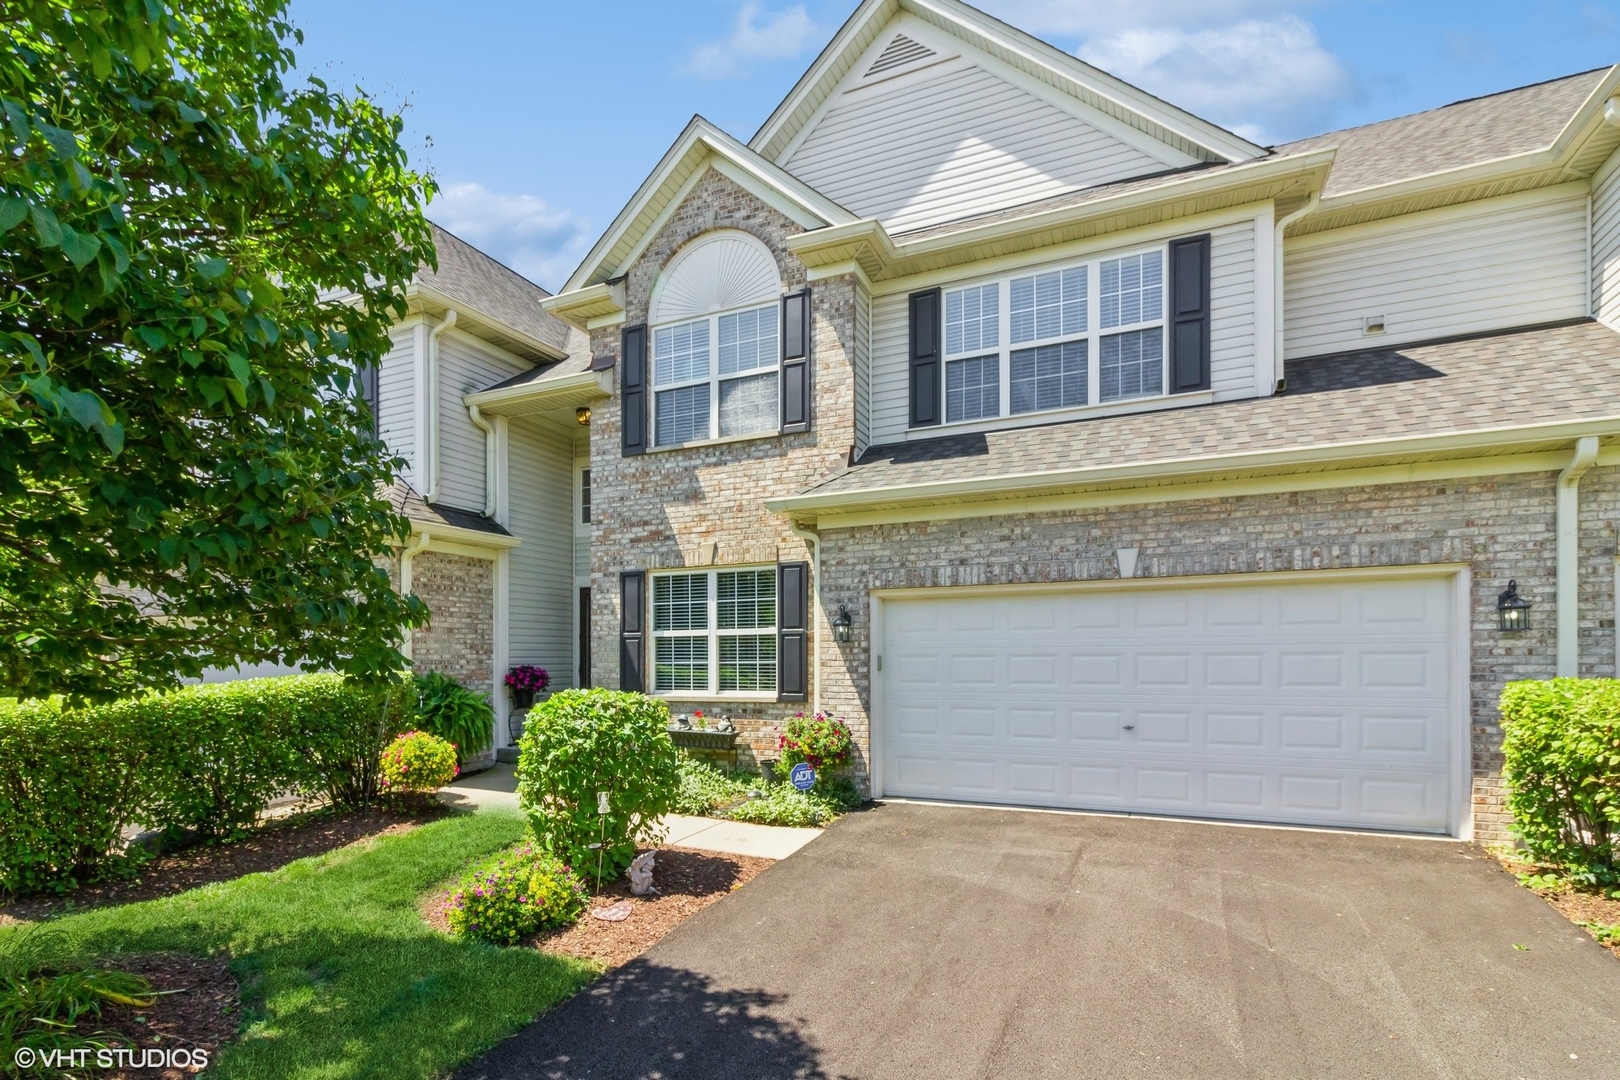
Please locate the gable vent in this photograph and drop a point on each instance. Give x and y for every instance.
(898, 53)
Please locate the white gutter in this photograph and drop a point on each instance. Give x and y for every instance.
(431, 403)
(1568, 558)
(477, 417)
(416, 545)
(1277, 282)
(809, 535)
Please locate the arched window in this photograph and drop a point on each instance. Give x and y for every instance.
(716, 341)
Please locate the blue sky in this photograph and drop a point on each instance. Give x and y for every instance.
(541, 118)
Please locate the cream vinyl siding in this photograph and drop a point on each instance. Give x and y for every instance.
(1232, 332)
(951, 140)
(1606, 242)
(396, 394)
(540, 458)
(1514, 261)
(862, 368)
(463, 369)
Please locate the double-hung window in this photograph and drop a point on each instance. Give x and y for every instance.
(714, 632)
(1088, 333)
(716, 377)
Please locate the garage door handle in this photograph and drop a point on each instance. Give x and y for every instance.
(1130, 727)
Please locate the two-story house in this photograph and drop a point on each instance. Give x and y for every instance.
(1076, 451)
(1082, 454)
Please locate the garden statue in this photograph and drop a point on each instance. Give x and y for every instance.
(641, 871)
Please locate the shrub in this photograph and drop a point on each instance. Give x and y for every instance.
(823, 742)
(784, 805)
(705, 788)
(417, 762)
(202, 760)
(1561, 742)
(40, 1004)
(455, 714)
(582, 742)
(504, 901)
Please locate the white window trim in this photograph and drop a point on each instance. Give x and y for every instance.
(1093, 335)
(714, 378)
(713, 633)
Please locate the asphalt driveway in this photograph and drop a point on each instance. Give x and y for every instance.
(941, 942)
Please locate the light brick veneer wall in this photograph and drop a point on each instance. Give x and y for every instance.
(1502, 527)
(459, 640)
(705, 506)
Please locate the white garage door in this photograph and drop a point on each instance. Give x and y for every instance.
(1314, 703)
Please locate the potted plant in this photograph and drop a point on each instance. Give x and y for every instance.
(525, 681)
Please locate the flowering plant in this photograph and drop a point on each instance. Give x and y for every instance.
(528, 677)
(523, 891)
(417, 762)
(821, 741)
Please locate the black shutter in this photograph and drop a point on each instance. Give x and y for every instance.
(793, 631)
(632, 630)
(796, 362)
(633, 391)
(925, 348)
(1189, 314)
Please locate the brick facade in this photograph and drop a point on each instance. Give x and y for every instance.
(704, 506)
(459, 639)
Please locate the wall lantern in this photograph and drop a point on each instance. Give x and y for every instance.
(583, 415)
(841, 624)
(1512, 610)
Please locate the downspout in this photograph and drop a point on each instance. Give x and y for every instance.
(432, 404)
(809, 535)
(1568, 559)
(1277, 283)
(413, 547)
(476, 415)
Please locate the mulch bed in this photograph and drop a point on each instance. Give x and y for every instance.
(1577, 905)
(198, 1013)
(273, 846)
(687, 881)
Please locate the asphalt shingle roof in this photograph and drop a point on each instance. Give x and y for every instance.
(1463, 133)
(406, 501)
(468, 275)
(1540, 375)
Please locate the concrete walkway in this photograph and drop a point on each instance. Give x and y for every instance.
(496, 788)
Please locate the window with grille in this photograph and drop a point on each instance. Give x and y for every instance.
(714, 632)
(716, 377)
(1061, 338)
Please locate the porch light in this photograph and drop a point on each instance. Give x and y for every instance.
(1512, 610)
(583, 415)
(841, 624)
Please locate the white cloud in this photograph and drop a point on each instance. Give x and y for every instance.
(538, 240)
(1266, 79)
(755, 36)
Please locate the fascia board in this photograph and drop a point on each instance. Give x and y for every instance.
(1368, 451)
(417, 290)
(581, 305)
(699, 140)
(593, 383)
(473, 538)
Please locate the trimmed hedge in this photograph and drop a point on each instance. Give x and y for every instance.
(1561, 742)
(202, 762)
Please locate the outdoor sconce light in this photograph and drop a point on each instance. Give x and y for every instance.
(1512, 610)
(583, 415)
(841, 624)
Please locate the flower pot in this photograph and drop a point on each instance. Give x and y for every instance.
(522, 699)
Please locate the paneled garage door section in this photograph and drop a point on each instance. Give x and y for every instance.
(1325, 703)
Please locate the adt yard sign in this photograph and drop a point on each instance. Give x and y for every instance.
(802, 776)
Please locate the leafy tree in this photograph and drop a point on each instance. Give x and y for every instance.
(195, 259)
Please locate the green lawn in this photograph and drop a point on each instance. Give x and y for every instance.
(340, 976)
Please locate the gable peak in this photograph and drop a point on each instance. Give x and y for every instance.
(899, 52)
